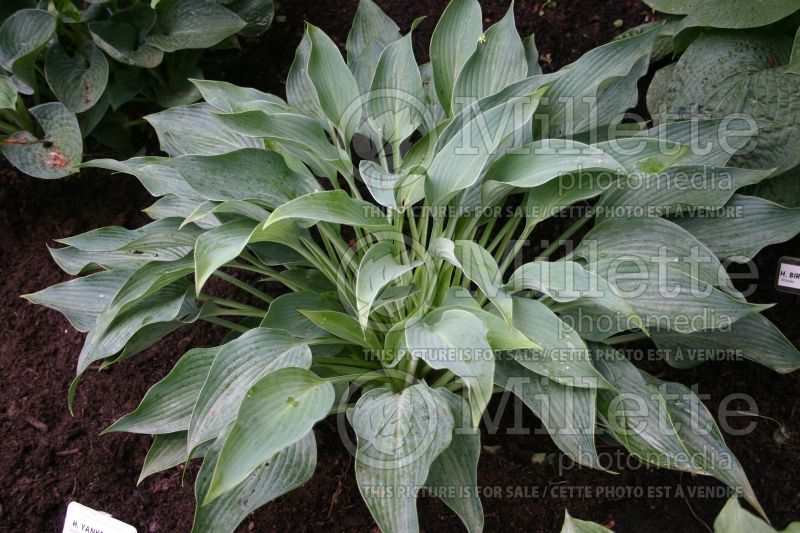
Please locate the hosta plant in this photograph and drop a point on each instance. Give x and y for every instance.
(76, 64)
(397, 293)
(724, 58)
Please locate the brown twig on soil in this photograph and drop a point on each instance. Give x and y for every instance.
(339, 487)
(691, 509)
(36, 424)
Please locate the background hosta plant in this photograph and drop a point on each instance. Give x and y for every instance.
(726, 58)
(77, 63)
(393, 291)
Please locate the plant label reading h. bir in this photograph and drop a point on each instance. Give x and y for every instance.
(81, 519)
(788, 279)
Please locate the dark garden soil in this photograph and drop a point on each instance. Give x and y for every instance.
(49, 458)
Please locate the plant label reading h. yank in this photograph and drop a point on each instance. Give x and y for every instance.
(788, 279)
(82, 519)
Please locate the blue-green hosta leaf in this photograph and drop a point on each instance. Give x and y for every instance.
(261, 175)
(753, 337)
(594, 322)
(113, 38)
(431, 99)
(8, 93)
(273, 254)
(153, 242)
(457, 466)
(74, 261)
(738, 77)
(673, 299)
(257, 14)
(479, 267)
(607, 76)
(395, 294)
(536, 163)
(22, 36)
(167, 406)
(663, 47)
(396, 102)
(549, 199)
(285, 471)
(532, 86)
(645, 154)
(110, 238)
(455, 340)
(218, 246)
(458, 164)
(745, 226)
(783, 190)
(532, 56)
(123, 36)
(500, 334)
(229, 98)
(152, 333)
(498, 61)
(665, 424)
(380, 183)
(399, 438)
(711, 142)
(454, 40)
(567, 412)
(158, 179)
(298, 134)
(202, 212)
(672, 7)
(277, 411)
(563, 356)
(167, 450)
(166, 305)
(285, 313)
(115, 249)
(206, 210)
(737, 14)
(78, 81)
(573, 525)
(568, 281)
(55, 155)
(336, 207)
(336, 87)
(82, 300)
(196, 130)
(176, 89)
(389, 189)
(183, 24)
(300, 91)
(371, 32)
(419, 156)
(657, 91)
(612, 242)
(734, 519)
(237, 367)
(378, 268)
(676, 189)
(343, 326)
(172, 206)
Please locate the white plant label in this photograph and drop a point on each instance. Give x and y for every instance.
(788, 279)
(82, 519)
